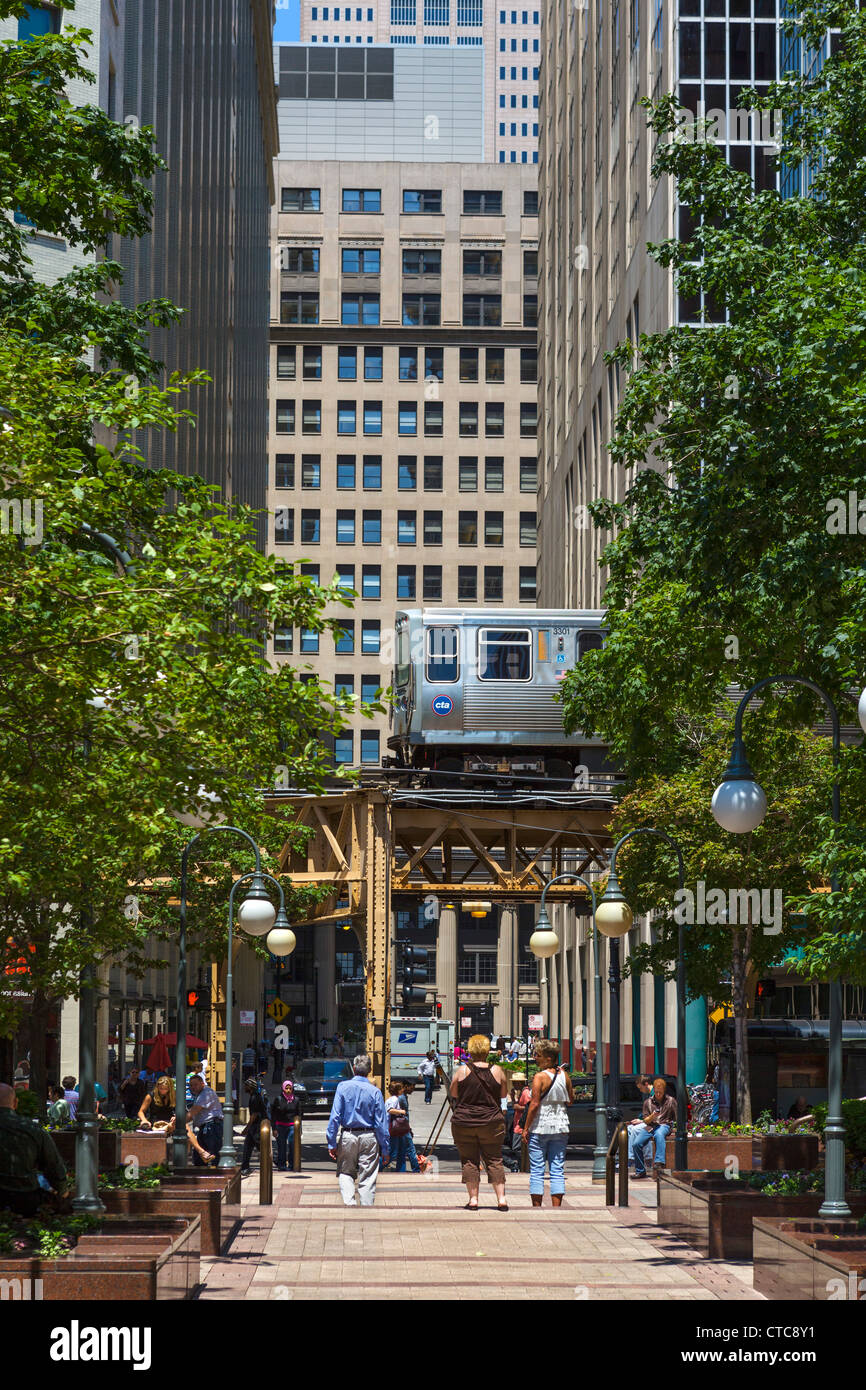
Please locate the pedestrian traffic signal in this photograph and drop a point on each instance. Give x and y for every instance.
(198, 998)
(765, 989)
(414, 976)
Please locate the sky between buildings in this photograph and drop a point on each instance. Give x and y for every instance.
(288, 26)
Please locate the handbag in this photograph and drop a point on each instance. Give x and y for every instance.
(398, 1124)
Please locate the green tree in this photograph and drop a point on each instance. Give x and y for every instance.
(739, 441)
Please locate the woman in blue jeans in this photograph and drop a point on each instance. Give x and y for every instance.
(545, 1127)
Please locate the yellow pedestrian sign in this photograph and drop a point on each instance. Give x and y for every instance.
(278, 1010)
(724, 1011)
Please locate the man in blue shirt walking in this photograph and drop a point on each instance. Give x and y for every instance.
(358, 1116)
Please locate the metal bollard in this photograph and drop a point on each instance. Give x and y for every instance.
(266, 1165)
(623, 1166)
(296, 1156)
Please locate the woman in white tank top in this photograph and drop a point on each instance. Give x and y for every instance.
(546, 1125)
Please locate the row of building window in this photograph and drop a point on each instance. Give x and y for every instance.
(524, 17)
(477, 202)
(407, 418)
(524, 75)
(431, 531)
(524, 130)
(431, 475)
(347, 13)
(371, 589)
(416, 260)
(524, 101)
(418, 310)
(506, 46)
(413, 363)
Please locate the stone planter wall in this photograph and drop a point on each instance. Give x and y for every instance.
(142, 1259)
(715, 1153)
(829, 1266)
(182, 1198)
(786, 1153)
(147, 1148)
(715, 1216)
(109, 1147)
(769, 1152)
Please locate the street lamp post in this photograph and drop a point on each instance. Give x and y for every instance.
(543, 943)
(264, 913)
(281, 942)
(739, 805)
(614, 918)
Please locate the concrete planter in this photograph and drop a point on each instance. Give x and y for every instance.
(715, 1215)
(146, 1147)
(109, 1147)
(789, 1153)
(769, 1152)
(716, 1152)
(809, 1261)
(146, 1259)
(180, 1195)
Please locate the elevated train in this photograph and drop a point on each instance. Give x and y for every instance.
(474, 693)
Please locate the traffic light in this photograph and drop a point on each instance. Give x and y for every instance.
(765, 989)
(438, 1009)
(199, 998)
(414, 975)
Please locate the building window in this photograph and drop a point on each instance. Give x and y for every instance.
(528, 528)
(468, 364)
(477, 968)
(311, 471)
(494, 419)
(372, 417)
(493, 590)
(346, 578)
(408, 364)
(432, 473)
(467, 528)
(530, 264)
(422, 199)
(468, 474)
(422, 262)
(370, 687)
(529, 474)
(529, 364)
(310, 572)
(467, 583)
(530, 311)
(285, 471)
(528, 586)
(528, 417)
(345, 526)
(407, 418)
(285, 364)
(370, 635)
(494, 475)
(372, 528)
(362, 200)
(361, 260)
(468, 419)
(300, 200)
(407, 473)
(482, 310)
(310, 527)
(285, 417)
(298, 309)
(311, 417)
(372, 472)
(406, 528)
(434, 363)
(312, 364)
(484, 263)
(432, 584)
(347, 363)
(309, 641)
(405, 581)
(284, 526)
(344, 748)
(360, 309)
(345, 472)
(421, 310)
(494, 361)
(284, 641)
(433, 528)
(369, 753)
(372, 364)
(493, 528)
(346, 417)
(530, 202)
(371, 581)
(485, 202)
(344, 638)
(433, 417)
(299, 260)
(344, 686)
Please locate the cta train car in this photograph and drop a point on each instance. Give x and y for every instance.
(474, 691)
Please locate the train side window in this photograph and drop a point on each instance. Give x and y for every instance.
(442, 660)
(401, 663)
(591, 641)
(504, 654)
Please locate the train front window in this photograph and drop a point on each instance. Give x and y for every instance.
(442, 663)
(401, 663)
(504, 654)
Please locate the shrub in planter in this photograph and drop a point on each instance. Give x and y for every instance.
(48, 1235)
(137, 1179)
(854, 1119)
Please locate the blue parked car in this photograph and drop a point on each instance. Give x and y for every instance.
(316, 1080)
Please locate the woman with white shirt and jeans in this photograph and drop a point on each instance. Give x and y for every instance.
(545, 1126)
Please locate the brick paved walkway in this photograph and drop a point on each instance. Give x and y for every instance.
(418, 1243)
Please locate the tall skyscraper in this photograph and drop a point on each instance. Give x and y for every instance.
(510, 40)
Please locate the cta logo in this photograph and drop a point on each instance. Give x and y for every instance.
(442, 705)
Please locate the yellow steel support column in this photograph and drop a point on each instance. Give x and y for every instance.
(377, 864)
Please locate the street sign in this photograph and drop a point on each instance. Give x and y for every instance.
(536, 1023)
(278, 1010)
(466, 1023)
(724, 1011)
(248, 1018)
